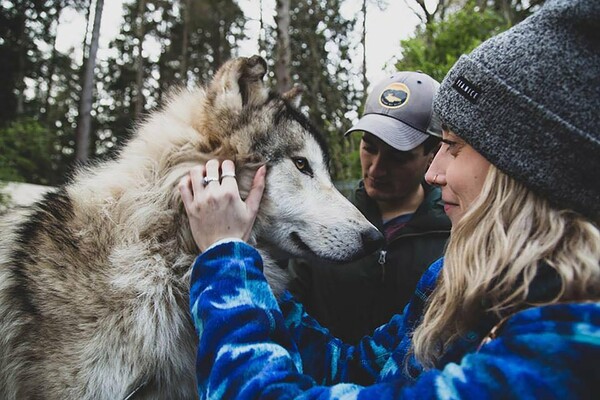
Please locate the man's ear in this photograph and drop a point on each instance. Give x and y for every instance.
(239, 83)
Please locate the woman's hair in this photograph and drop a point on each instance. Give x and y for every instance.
(494, 253)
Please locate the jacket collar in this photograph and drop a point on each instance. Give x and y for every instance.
(428, 216)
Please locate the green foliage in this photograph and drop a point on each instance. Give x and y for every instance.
(37, 83)
(27, 152)
(214, 28)
(40, 86)
(321, 45)
(437, 46)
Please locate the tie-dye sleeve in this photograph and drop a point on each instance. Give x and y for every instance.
(327, 359)
(250, 349)
(247, 348)
(242, 338)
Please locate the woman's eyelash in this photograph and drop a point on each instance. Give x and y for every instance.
(453, 147)
(448, 142)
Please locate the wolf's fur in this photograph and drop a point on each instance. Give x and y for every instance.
(94, 278)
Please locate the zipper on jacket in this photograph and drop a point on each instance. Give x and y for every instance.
(381, 261)
(383, 253)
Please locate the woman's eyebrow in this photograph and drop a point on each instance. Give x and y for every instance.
(456, 143)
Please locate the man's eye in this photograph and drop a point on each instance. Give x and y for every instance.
(302, 164)
(402, 158)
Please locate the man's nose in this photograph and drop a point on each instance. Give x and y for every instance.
(378, 166)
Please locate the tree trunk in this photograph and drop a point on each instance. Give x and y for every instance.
(185, 40)
(429, 16)
(85, 103)
(86, 46)
(507, 12)
(261, 30)
(365, 81)
(283, 56)
(218, 43)
(139, 81)
(21, 57)
(52, 64)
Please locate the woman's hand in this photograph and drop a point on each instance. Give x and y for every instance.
(213, 204)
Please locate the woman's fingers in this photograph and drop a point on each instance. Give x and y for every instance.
(185, 189)
(228, 180)
(196, 177)
(212, 172)
(257, 190)
(213, 204)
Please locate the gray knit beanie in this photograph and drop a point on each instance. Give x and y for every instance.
(528, 100)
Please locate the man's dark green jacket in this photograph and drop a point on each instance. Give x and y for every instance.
(353, 299)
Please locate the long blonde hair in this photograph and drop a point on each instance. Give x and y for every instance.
(493, 255)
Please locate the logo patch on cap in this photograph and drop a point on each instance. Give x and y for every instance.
(467, 89)
(394, 95)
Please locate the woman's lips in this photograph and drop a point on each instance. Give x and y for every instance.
(448, 206)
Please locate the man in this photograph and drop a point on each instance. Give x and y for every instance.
(400, 138)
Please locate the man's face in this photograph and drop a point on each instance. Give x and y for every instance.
(391, 175)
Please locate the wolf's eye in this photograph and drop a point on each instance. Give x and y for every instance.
(302, 164)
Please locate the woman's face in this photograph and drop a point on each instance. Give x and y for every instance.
(460, 171)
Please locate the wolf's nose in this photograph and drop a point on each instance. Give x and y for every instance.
(372, 239)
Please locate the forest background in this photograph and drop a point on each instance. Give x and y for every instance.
(58, 111)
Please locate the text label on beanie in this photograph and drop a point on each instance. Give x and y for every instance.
(467, 89)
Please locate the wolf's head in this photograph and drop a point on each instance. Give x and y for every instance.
(302, 214)
(236, 117)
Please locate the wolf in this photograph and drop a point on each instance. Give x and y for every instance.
(94, 277)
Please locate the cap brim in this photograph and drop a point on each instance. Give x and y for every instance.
(397, 134)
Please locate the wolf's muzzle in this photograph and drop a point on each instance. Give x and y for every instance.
(372, 239)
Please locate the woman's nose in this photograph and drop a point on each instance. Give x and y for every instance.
(435, 178)
(435, 174)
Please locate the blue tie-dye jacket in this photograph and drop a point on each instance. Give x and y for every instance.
(252, 347)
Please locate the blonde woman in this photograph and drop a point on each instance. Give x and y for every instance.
(513, 308)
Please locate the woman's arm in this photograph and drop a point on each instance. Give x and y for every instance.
(248, 349)
(327, 359)
(215, 211)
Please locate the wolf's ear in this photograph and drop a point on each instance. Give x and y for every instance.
(251, 83)
(294, 95)
(239, 83)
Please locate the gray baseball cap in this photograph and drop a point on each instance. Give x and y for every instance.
(399, 110)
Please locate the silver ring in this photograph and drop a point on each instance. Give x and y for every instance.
(208, 180)
(435, 179)
(228, 175)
